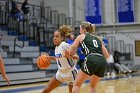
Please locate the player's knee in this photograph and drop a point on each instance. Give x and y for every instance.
(92, 85)
(75, 89)
(71, 84)
(46, 90)
(74, 92)
(77, 84)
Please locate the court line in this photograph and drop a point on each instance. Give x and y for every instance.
(42, 86)
(22, 89)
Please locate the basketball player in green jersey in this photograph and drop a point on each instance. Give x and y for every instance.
(95, 64)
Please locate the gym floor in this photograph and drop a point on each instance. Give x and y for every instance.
(129, 83)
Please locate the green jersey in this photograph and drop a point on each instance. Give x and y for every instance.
(91, 44)
(94, 62)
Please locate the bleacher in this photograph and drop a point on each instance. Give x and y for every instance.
(22, 68)
(24, 40)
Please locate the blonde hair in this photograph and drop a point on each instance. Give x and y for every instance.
(65, 30)
(101, 39)
(88, 27)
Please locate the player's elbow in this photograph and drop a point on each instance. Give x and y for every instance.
(75, 57)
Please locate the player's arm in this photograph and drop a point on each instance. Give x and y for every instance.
(75, 56)
(107, 56)
(105, 52)
(66, 54)
(2, 69)
(52, 58)
(74, 46)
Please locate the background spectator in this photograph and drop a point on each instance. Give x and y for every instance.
(15, 11)
(118, 66)
(71, 38)
(25, 7)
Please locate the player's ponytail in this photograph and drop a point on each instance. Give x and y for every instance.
(88, 27)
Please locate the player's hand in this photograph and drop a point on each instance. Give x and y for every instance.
(48, 56)
(45, 54)
(66, 53)
(5, 77)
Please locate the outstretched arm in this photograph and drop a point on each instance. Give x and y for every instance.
(70, 53)
(75, 56)
(74, 46)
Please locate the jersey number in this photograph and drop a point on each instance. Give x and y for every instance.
(95, 43)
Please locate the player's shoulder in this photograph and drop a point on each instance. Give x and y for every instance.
(64, 44)
(80, 38)
(82, 35)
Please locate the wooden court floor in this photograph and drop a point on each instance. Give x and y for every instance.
(129, 84)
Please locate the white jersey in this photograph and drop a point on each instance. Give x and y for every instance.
(66, 67)
(64, 64)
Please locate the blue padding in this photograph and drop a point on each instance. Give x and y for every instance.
(23, 38)
(33, 43)
(14, 33)
(52, 53)
(105, 41)
(4, 28)
(43, 48)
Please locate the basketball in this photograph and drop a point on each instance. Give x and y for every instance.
(43, 62)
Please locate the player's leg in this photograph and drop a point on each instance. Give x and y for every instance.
(119, 67)
(70, 87)
(126, 68)
(53, 83)
(80, 78)
(100, 72)
(72, 74)
(93, 82)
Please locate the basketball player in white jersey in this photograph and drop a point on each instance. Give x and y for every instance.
(67, 71)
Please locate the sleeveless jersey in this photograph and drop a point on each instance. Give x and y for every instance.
(94, 62)
(91, 44)
(64, 64)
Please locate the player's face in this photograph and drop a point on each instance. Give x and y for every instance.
(57, 39)
(72, 37)
(81, 30)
